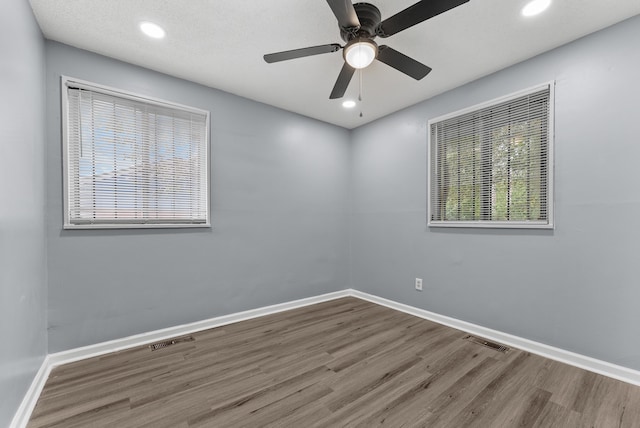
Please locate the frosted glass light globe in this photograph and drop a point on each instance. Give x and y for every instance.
(360, 54)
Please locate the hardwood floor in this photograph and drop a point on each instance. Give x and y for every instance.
(346, 362)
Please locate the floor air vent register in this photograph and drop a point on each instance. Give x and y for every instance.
(489, 344)
(169, 342)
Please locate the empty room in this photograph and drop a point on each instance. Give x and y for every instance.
(319, 213)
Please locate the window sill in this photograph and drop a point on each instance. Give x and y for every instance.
(94, 226)
(493, 224)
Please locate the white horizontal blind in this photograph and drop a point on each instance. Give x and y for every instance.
(492, 165)
(131, 162)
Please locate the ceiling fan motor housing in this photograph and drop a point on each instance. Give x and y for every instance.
(369, 17)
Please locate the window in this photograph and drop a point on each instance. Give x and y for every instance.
(491, 165)
(130, 161)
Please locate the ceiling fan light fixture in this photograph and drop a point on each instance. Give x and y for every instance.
(535, 7)
(360, 53)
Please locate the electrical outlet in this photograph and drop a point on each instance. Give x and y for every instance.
(419, 284)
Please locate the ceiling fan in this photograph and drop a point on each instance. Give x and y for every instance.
(359, 24)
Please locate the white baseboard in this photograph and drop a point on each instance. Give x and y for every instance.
(52, 360)
(23, 414)
(587, 363)
(21, 418)
(84, 352)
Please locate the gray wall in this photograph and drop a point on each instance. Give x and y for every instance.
(22, 237)
(576, 287)
(279, 214)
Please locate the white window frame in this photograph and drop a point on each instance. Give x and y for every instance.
(67, 82)
(531, 224)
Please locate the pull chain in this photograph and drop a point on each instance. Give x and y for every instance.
(360, 90)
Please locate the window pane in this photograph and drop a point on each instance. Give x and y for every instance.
(131, 162)
(492, 163)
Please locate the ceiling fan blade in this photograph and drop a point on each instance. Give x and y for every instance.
(415, 14)
(345, 13)
(299, 53)
(343, 82)
(402, 63)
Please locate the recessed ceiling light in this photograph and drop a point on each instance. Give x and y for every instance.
(349, 104)
(152, 30)
(535, 7)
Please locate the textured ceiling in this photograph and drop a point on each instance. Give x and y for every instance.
(220, 44)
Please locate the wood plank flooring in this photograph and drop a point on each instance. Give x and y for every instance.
(343, 363)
